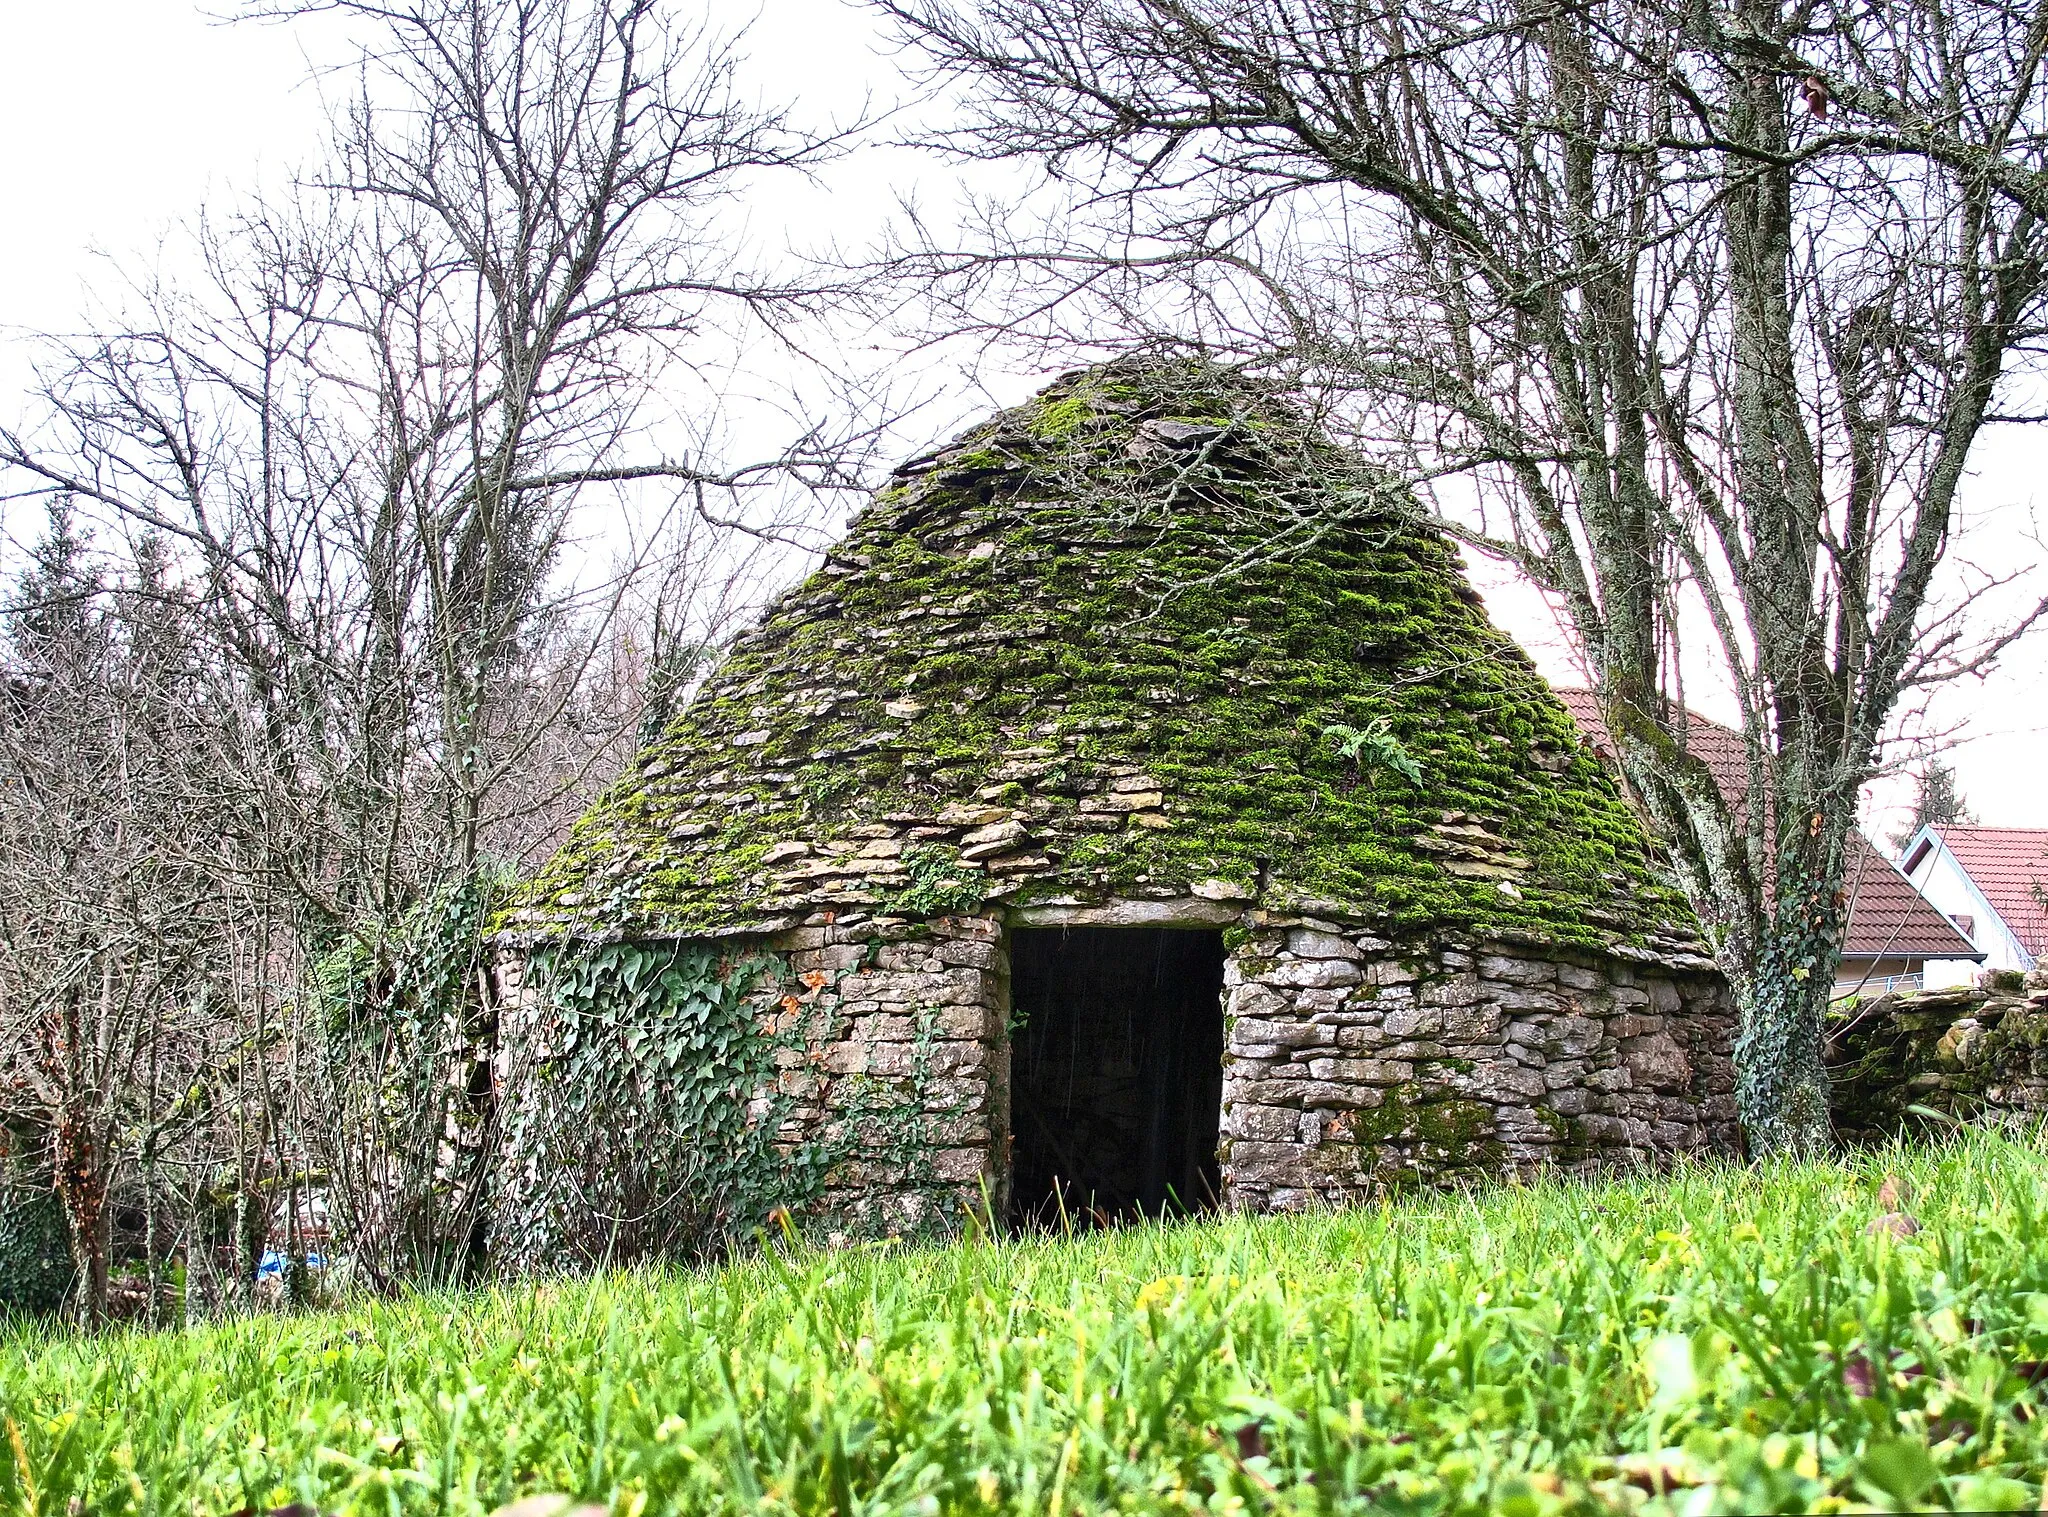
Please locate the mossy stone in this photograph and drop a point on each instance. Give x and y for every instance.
(1159, 576)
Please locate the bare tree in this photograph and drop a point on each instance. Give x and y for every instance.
(368, 438)
(112, 908)
(1609, 281)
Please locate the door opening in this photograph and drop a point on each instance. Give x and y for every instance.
(1116, 1074)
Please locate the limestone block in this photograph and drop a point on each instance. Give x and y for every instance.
(967, 1091)
(1657, 1062)
(1676, 1136)
(1313, 972)
(1281, 1033)
(1524, 998)
(1131, 800)
(1500, 1082)
(1514, 971)
(1413, 1021)
(1451, 990)
(846, 1058)
(799, 1084)
(1521, 1125)
(830, 959)
(1575, 1037)
(1269, 1163)
(958, 1130)
(1570, 1100)
(1259, 1053)
(1288, 1089)
(1562, 1074)
(1305, 943)
(1597, 1131)
(883, 1027)
(970, 953)
(1361, 1072)
(1252, 999)
(1474, 1024)
(1263, 1124)
(961, 814)
(1359, 1037)
(976, 1020)
(1320, 1003)
(1339, 1095)
(960, 1166)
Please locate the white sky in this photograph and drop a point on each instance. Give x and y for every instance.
(119, 118)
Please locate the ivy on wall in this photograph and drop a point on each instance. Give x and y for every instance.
(411, 1028)
(645, 1120)
(35, 1257)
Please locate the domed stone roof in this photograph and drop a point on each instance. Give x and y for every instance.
(1149, 636)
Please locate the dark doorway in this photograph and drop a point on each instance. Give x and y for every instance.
(1116, 1074)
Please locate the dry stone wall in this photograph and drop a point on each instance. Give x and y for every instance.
(1353, 1065)
(901, 1071)
(1356, 1065)
(1971, 1052)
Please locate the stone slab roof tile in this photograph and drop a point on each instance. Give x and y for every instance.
(1175, 637)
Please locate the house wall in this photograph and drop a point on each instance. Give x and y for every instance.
(1948, 886)
(1354, 1064)
(1865, 975)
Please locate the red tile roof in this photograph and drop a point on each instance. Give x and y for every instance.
(2010, 866)
(1887, 916)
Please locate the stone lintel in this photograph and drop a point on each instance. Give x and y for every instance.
(1176, 911)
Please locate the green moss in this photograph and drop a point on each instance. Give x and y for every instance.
(1418, 1132)
(1055, 419)
(1093, 639)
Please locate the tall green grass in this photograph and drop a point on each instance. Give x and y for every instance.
(1721, 1339)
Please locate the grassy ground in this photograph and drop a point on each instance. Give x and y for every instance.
(1722, 1340)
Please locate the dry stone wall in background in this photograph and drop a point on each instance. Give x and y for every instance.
(1973, 1052)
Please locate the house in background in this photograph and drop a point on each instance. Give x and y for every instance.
(1990, 881)
(1897, 939)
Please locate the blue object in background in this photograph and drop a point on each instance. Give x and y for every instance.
(273, 1263)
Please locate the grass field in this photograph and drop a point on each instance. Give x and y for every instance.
(1723, 1340)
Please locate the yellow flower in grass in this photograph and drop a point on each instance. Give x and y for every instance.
(1161, 1292)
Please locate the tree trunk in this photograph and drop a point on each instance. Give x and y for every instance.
(1781, 1085)
(82, 1186)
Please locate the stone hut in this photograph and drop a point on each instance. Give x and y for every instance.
(1137, 812)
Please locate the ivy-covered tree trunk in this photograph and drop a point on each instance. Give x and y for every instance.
(1781, 1084)
(82, 1187)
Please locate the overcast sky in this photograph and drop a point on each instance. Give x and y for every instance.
(119, 118)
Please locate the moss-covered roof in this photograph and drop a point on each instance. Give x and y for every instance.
(1095, 649)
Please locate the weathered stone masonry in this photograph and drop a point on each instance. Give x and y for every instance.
(1972, 1053)
(1353, 1066)
(905, 1063)
(1053, 676)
